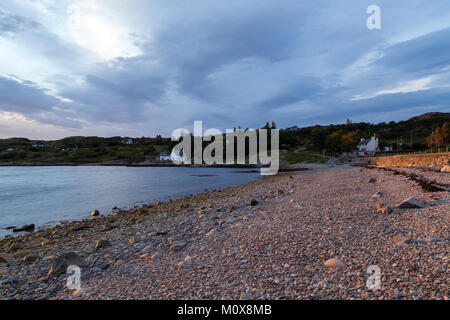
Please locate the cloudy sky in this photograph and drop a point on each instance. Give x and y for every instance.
(138, 68)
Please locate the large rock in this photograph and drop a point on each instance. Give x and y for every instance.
(21, 254)
(102, 244)
(95, 213)
(5, 257)
(27, 227)
(334, 263)
(384, 209)
(410, 203)
(187, 262)
(253, 202)
(60, 265)
(445, 168)
(178, 245)
(30, 258)
(89, 249)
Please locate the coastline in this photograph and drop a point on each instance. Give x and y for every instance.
(131, 164)
(306, 207)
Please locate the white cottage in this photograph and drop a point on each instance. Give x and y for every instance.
(368, 146)
(127, 141)
(163, 156)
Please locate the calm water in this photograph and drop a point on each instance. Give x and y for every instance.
(46, 195)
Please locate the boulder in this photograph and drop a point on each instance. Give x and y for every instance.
(230, 221)
(148, 249)
(279, 193)
(102, 244)
(95, 213)
(157, 255)
(21, 254)
(377, 195)
(211, 233)
(30, 258)
(89, 249)
(27, 227)
(187, 262)
(253, 202)
(60, 265)
(410, 203)
(445, 168)
(15, 246)
(178, 245)
(372, 180)
(161, 232)
(384, 209)
(334, 263)
(49, 258)
(5, 257)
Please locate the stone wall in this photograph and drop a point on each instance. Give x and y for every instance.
(411, 160)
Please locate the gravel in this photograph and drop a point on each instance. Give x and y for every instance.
(276, 249)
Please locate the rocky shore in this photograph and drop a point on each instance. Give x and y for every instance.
(300, 235)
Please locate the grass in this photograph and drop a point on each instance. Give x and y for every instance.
(303, 156)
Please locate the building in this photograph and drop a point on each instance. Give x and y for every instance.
(368, 146)
(127, 141)
(163, 156)
(37, 144)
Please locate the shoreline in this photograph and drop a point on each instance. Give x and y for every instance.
(49, 224)
(143, 238)
(169, 164)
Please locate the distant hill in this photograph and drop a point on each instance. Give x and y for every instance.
(431, 115)
(115, 150)
(414, 130)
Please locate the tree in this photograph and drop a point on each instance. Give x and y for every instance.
(349, 141)
(158, 140)
(445, 132)
(440, 136)
(333, 142)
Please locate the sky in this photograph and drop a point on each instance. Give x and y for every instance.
(140, 68)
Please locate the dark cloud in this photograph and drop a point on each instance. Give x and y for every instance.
(28, 99)
(241, 63)
(11, 24)
(428, 53)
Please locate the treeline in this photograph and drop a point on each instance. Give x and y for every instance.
(409, 135)
(440, 137)
(425, 131)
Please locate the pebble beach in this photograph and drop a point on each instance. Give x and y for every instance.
(309, 234)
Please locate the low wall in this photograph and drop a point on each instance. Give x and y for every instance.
(411, 160)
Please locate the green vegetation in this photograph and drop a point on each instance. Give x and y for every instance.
(339, 138)
(440, 137)
(427, 130)
(82, 150)
(303, 156)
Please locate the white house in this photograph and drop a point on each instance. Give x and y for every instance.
(37, 144)
(368, 146)
(127, 141)
(163, 156)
